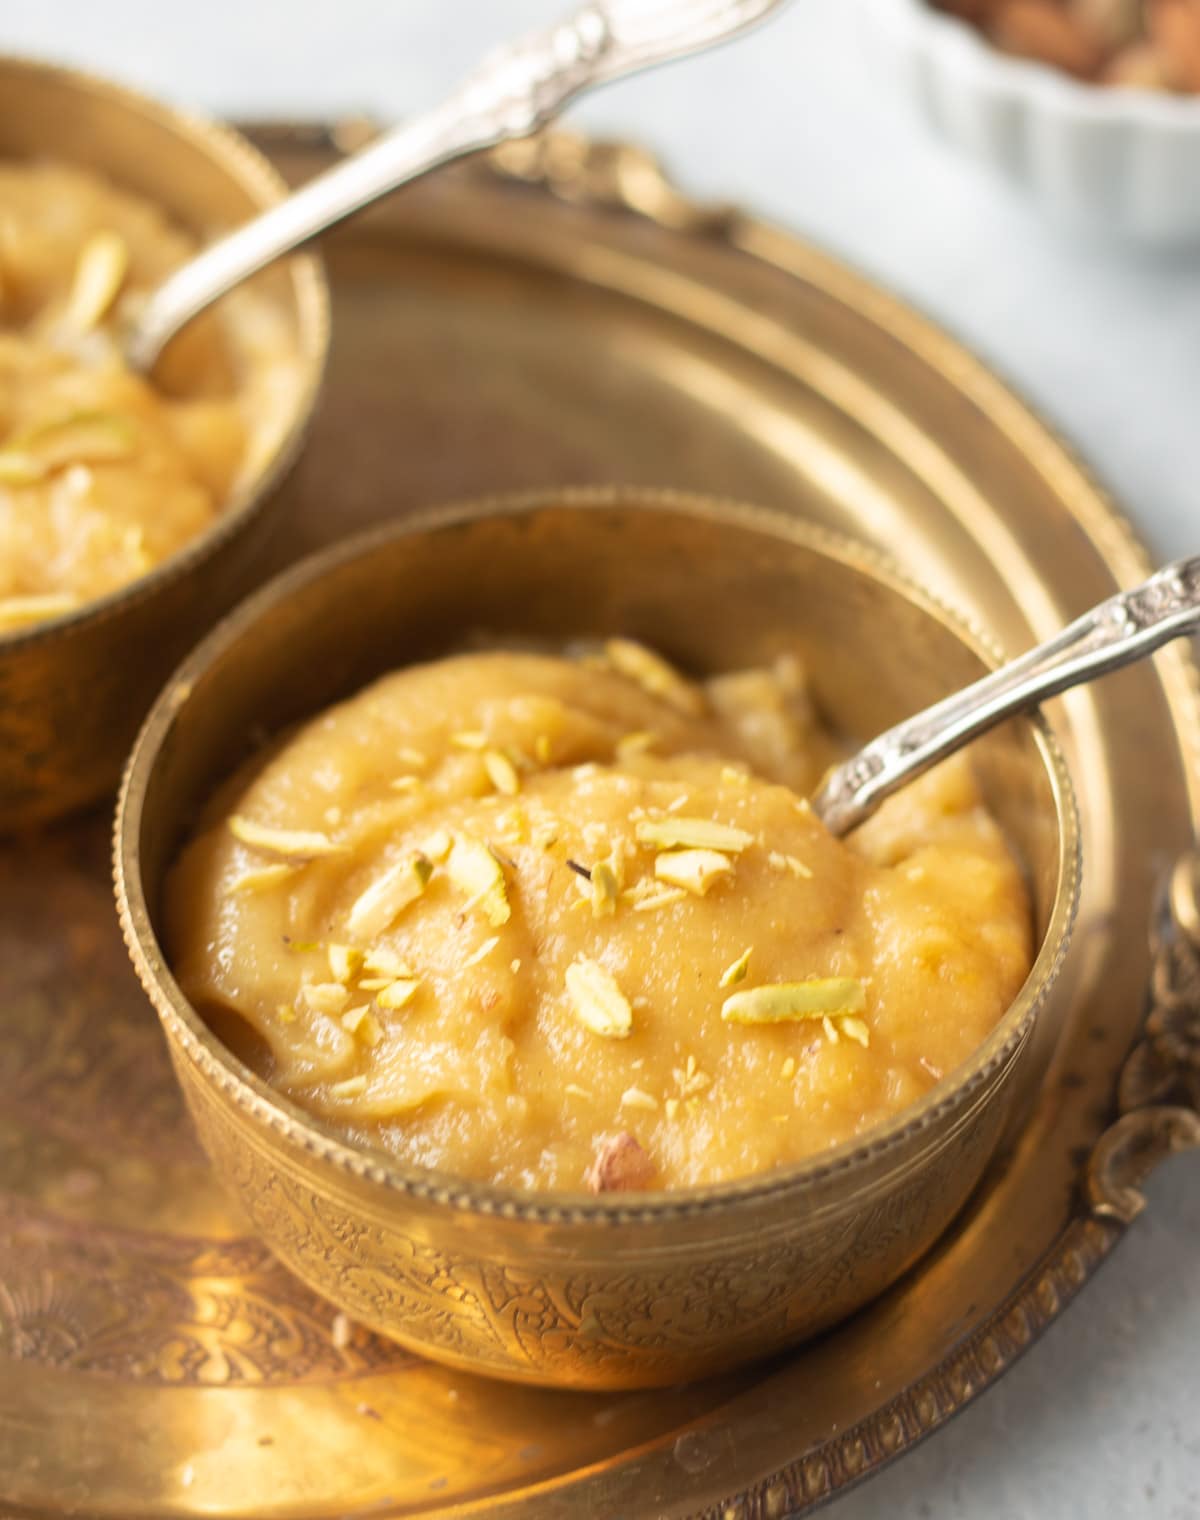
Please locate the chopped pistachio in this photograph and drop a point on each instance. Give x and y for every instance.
(691, 833)
(830, 1028)
(654, 675)
(736, 970)
(856, 1029)
(362, 1023)
(779, 1002)
(437, 846)
(635, 744)
(384, 962)
(350, 1087)
(474, 739)
(598, 1001)
(261, 878)
(328, 998)
(788, 1070)
(634, 1097)
(298, 844)
(345, 962)
(398, 994)
(19, 469)
(387, 897)
(375, 983)
(605, 889)
(502, 773)
(285, 1013)
(475, 870)
(99, 274)
(483, 952)
(694, 870)
(301, 946)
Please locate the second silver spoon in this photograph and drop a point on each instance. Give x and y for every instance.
(1124, 628)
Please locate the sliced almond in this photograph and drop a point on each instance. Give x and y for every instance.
(350, 1087)
(297, 844)
(856, 1029)
(694, 870)
(691, 833)
(386, 898)
(782, 1002)
(598, 1001)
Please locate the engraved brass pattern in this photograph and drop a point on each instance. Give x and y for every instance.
(700, 1450)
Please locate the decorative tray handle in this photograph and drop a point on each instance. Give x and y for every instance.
(1158, 1093)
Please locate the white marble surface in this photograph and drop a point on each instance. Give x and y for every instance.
(1100, 1419)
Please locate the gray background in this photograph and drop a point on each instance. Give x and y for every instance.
(1101, 1417)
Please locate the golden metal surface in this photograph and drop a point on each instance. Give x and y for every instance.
(490, 336)
(620, 1291)
(73, 691)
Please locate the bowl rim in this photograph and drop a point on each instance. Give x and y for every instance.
(253, 173)
(266, 1107)
(962, 46)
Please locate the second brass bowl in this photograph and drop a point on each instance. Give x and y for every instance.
(74, 689)
(622, 1290)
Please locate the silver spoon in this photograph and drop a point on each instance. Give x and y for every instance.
(1124, 628)
(516, 91)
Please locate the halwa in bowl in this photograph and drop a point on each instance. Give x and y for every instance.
(660, 1175)
(130, 508)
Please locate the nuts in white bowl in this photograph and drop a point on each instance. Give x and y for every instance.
(1118, 162)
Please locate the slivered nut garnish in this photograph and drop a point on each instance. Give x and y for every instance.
(397, 994)
(735, 972)
(694, 870)
(780, 1002)
(475, 871)
(654, 675)
(598, 1001)
(296, 844)
(262, 878)
(691, 834)
(502, 773)
(388, 896)
(99, 274)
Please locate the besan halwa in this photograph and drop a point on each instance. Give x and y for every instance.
(570, 923)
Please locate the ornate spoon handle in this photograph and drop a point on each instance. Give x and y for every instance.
(513, 93)
(1122, 629)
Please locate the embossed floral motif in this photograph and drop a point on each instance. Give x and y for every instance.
(155, 1308)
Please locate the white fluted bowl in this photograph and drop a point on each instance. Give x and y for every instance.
(1116, 162)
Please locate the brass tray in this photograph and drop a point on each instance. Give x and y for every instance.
(563, 315)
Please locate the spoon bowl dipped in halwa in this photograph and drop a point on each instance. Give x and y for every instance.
(517, 992)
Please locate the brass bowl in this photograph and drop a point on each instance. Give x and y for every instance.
(623, 1290)
(73, 689)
